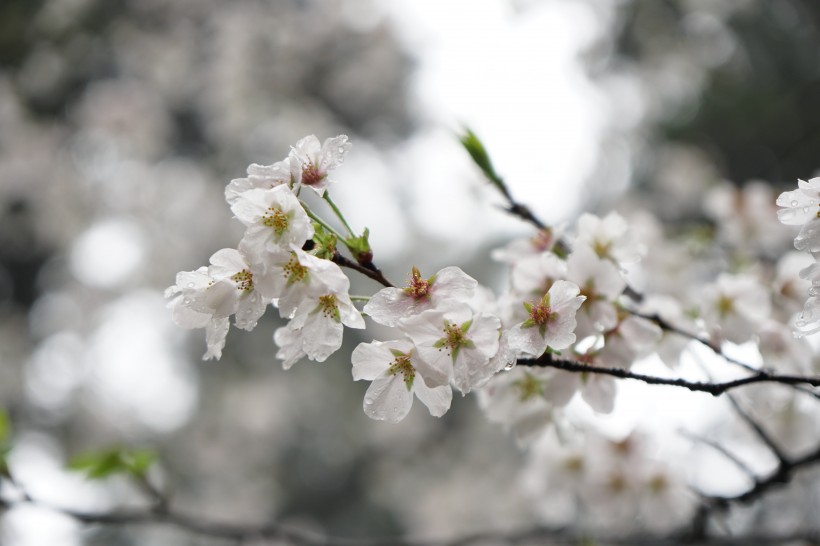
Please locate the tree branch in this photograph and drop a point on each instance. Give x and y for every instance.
(715, 389)
(372, 271)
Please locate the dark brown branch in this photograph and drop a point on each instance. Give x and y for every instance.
(715, 389)
(372, 271)
(555, 535)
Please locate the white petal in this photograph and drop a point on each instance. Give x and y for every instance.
(371, 360)
(437, 399)
(387, 399)
(215, 334)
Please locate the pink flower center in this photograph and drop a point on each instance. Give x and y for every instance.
(311, 175)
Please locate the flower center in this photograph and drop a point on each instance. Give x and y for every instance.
(528, 387)
(276, 220)
(402, 365)
(725, 305)
(329, 307)
(243, 280)
(294, 271)
(543, 240)
(455, 337)
(540, 314)
(602, 248)
(658, 483)
(311, 174)
(418, 287)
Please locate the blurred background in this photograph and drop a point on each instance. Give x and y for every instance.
(122, 121)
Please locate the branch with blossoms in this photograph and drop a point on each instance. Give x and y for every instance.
(567, 324)
(563, 296)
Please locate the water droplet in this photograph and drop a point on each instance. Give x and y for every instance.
(509, 366)
(186, 301)
(190, 285)
(805, 209)
(368, 401)
(794, 203)
(341, 150)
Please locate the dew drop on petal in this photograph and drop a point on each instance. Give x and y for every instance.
(190, 285)
(341, 150)
(794, 203)
(509, 366)
(368, 401)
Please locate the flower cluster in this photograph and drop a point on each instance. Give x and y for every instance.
(574, 294)
(269, 266)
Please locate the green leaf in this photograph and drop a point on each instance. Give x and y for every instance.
(140, 461)
(480, 157)
(4, 464)
(102, 464)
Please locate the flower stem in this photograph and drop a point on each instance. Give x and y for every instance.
(338, 213)
(321, 222)
(360, 298)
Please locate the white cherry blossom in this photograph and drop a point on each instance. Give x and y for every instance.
(609, 237)
(734, 307)
(259, 176)
(397, 375)
(458, 343)
(601, 283)
(450, 286)
(310, 162)
(274, 218)
(551, 321)
(320, 319)
(182, 299)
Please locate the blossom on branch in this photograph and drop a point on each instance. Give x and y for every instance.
(397, 374)
(310, 162)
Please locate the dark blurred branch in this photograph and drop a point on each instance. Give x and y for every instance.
(240, 533)
(723, 451)
(667, 326)
(780, 476)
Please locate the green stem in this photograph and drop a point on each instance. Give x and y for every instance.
(339, 214)
(321, 222)
(360, 298)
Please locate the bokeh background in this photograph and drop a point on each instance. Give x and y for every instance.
(121, 122)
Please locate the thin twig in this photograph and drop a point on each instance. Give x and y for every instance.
(723, 451)
(761, 433)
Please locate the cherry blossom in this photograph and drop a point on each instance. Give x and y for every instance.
(274, 219)
(397, 374)
(259, 176)
(449, 286)
(310, 161)
(551, 321)
(457, 342)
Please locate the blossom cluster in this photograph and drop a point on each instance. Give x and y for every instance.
(269, 266)
(588, 295)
